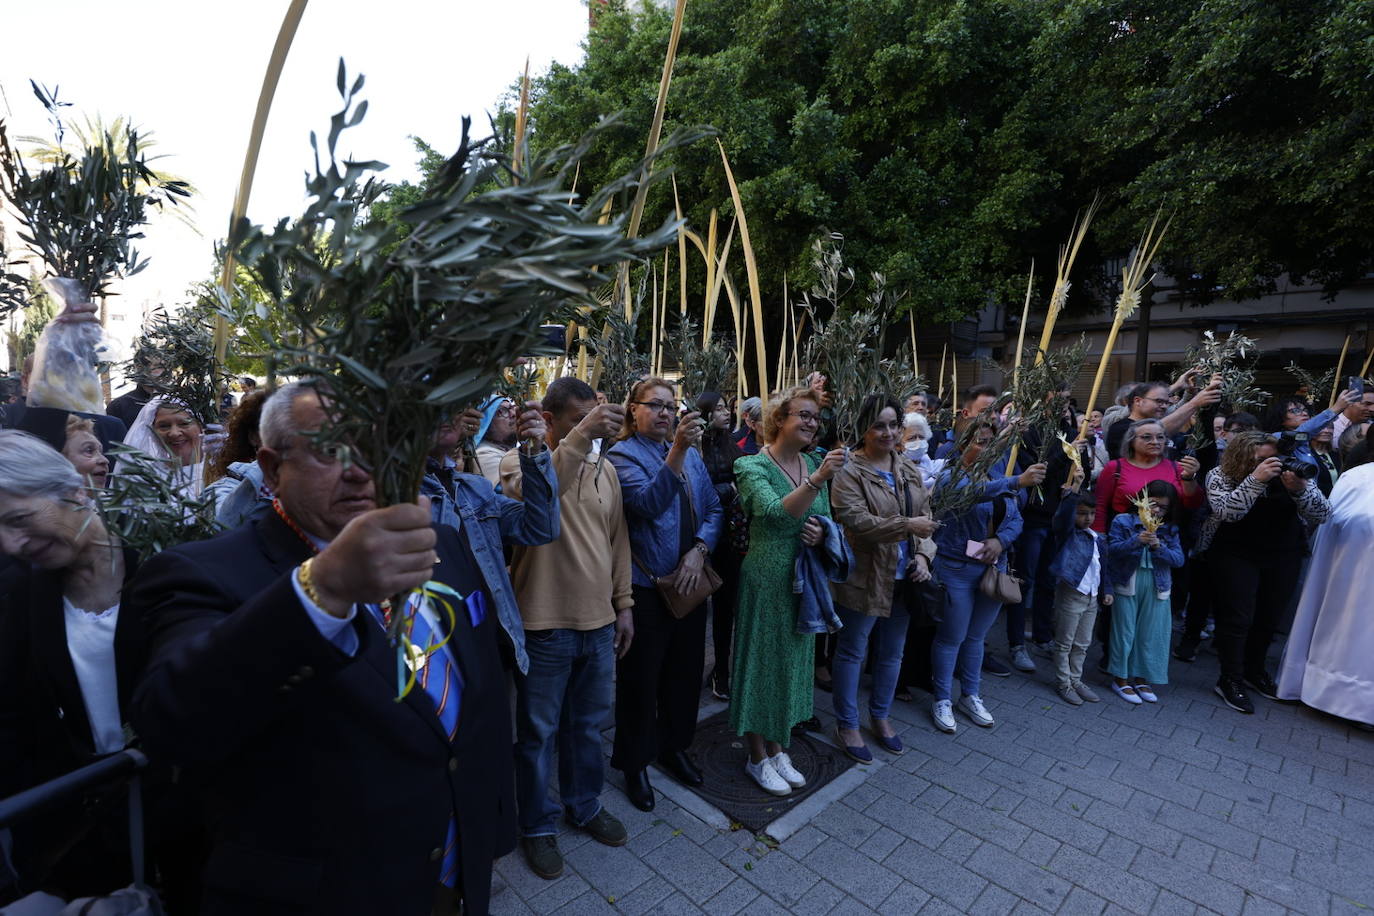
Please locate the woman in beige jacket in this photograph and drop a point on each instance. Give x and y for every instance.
(879, 499)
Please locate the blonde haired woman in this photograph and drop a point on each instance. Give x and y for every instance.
(782, 488)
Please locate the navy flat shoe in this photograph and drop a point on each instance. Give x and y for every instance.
(892, 745)
(860, 752)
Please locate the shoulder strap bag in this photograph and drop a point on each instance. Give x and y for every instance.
(1005, 587)
(677, 603)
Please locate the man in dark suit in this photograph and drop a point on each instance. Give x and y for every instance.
(271, 682)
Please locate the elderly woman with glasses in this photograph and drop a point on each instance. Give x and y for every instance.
(1142, 461)
(675, 520)
(68, 662)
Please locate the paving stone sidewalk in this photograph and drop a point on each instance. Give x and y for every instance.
(1181, 807)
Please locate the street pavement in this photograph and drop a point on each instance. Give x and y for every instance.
(1180, 807)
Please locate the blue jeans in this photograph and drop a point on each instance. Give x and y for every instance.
(889, 635)
(968, 615)
(1033, 555)
(567, 695)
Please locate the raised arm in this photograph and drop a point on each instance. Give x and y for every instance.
(533, 519)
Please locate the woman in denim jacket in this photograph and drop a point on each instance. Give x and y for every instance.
(968, 613)
(674, 518)
(1140, 564)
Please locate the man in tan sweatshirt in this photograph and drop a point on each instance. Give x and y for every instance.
(575, 600)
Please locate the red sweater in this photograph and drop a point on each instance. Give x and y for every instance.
(1120, 481)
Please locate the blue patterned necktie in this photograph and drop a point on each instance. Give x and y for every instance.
(442, 682)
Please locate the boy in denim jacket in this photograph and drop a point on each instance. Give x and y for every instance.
(1080, 579)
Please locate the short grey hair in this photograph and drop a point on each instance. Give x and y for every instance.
(31, 467)
(276, 427)
(914, 421)
(752, 407)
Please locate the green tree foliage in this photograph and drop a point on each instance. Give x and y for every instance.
(949, 141)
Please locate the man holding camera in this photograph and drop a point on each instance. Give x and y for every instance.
(574, 595)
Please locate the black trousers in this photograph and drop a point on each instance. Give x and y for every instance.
(1201, 598)
(725, 561)
(658, 683)
(1251, 591)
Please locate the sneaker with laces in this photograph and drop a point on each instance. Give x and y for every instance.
(1264, 685)
(1021, 660)
(606, 828)
(942, 712)
(1234, 696)
(1086, 693)
(973, 707)
(1069, 695)
(782, 764)
(767, 777)
(543, 855)
(1043, 649)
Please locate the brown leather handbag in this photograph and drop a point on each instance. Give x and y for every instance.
(1004, 587)
(677, 603)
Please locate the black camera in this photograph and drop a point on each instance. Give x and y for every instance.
(1294, 454)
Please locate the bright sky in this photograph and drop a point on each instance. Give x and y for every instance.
(191, 72)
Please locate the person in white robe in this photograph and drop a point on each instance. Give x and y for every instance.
(1329, 660)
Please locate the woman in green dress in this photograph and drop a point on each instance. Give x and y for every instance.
(781, 488)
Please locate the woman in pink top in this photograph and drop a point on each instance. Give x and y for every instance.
(1142, 461)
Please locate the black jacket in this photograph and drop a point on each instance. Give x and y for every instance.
(323, 794)
(45, 732)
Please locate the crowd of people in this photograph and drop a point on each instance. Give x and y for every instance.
(580, 551)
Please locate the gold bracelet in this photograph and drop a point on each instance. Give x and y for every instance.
(307, 586)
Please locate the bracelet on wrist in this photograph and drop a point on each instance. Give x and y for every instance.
(701, 546)
(811, 483)
(307, 584)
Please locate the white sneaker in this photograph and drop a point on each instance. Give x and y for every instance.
(767, 777)
(1021, 660)
(973, 707)
(782, 765)
(943, 714)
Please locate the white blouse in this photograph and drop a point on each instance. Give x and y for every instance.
(90, 641)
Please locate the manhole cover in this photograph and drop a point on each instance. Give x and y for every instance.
(721, 754)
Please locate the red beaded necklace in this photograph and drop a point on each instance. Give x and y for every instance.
(305, 538)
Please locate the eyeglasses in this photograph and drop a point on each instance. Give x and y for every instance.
(657, 406)
(805, 416)
(1151, 438)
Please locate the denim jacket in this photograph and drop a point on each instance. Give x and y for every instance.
(954, 533)
(650, 491)
(1124, 554)
(816, 568)
(1076, 552)
(487, 520)
(240, 494)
